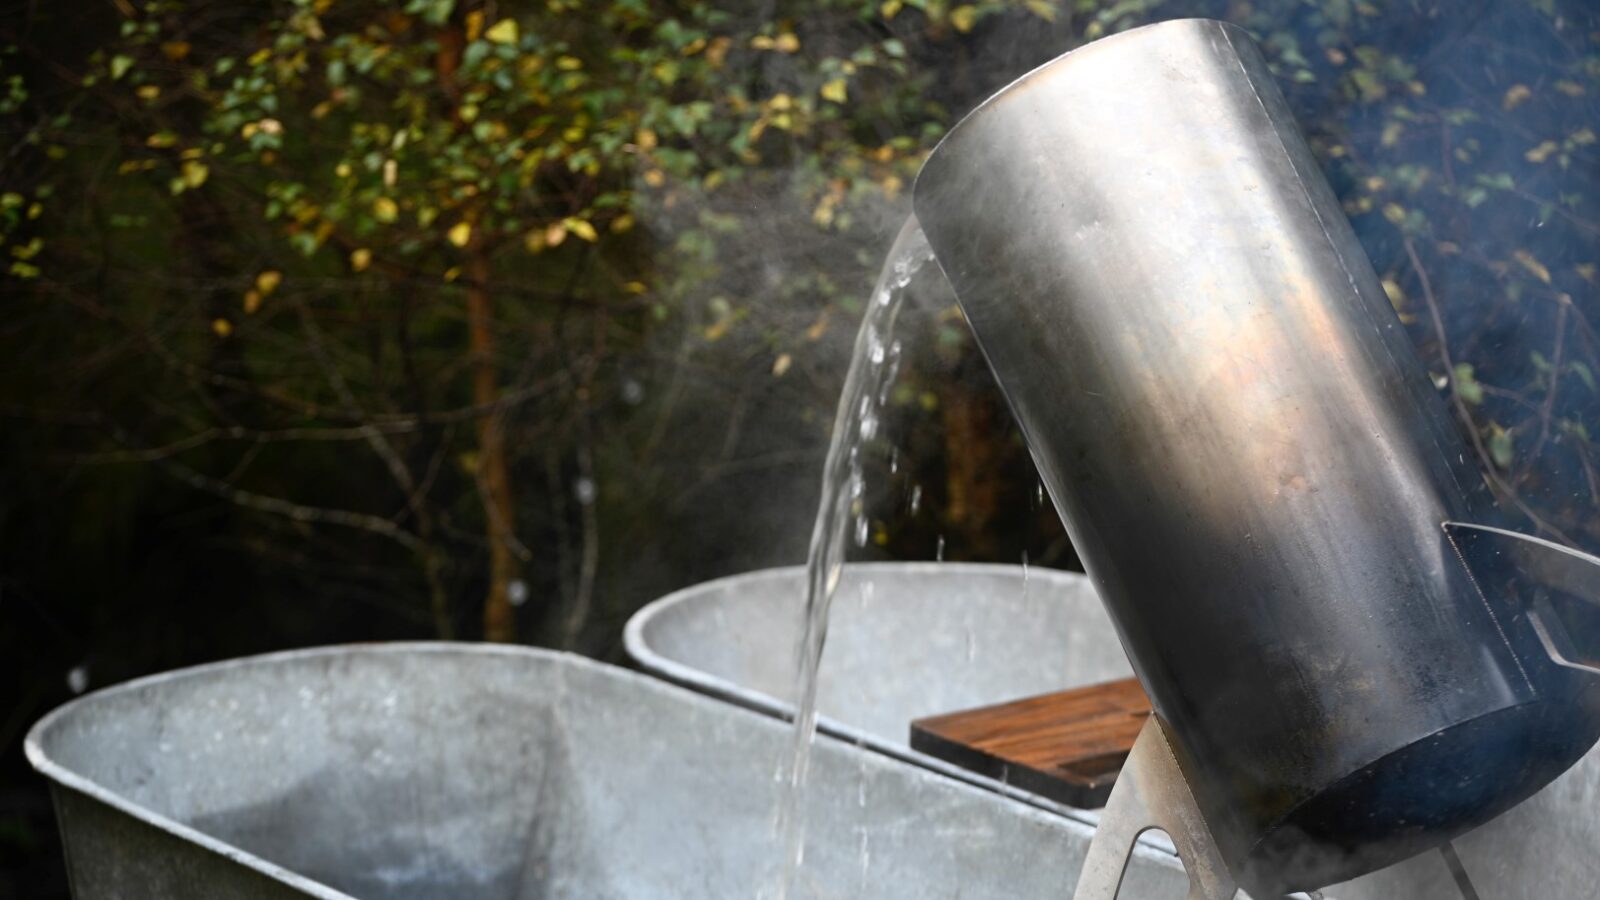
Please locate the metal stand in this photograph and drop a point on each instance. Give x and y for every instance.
(1151, 792)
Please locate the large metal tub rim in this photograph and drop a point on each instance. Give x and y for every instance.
(38, 744)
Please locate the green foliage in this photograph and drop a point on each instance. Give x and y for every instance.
(259, 220)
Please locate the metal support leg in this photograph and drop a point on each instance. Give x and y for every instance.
(1151, 792)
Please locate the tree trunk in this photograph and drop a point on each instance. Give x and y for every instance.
(974, 467)
(494, 480)
(493, 477)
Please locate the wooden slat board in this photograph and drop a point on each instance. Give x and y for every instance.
(1067, 746)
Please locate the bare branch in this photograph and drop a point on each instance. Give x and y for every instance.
(1486, 463)
(298, 512)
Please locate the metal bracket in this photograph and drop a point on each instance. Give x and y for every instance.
(1496, 557)
(1151, 792)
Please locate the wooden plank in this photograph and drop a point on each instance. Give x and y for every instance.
(1067, 746)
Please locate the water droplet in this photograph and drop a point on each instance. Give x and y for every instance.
(517, 592)
(78, 678)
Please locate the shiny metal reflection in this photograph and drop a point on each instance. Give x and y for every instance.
(1247, 453)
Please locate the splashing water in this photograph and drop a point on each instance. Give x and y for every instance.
(873, 367)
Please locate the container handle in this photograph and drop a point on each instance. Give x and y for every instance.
(1564, 608)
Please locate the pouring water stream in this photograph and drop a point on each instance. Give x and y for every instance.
(873, 367)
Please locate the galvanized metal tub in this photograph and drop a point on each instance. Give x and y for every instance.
(392, 772)
(907, 640)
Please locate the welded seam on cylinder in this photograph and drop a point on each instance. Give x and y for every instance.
(1477, 588)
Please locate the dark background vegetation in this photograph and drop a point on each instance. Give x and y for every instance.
(333, 320)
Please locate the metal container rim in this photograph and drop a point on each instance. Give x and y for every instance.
(968, 121)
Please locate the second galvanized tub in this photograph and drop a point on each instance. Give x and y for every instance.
(905, 640)
(401, 772)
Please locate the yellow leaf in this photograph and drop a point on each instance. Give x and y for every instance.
(581, 228)
(655, 178)
(221, 327)
(452, 273)
(148, 92)
(1394, 212)
(1582, 137)
(962, 18)
(622, 224)
(270, 126)
(1532, 264)
(835, 90)
(1043, 9)
(252, 302)
(385, 210)
(761, 42)
(460, 233)
(718, 329)
(474, 24)
(268, 281)
(717, 51)
(819, 327)
(786, 43)
(502, 32)
(635, 287)
(781, 364)
(555, 234)
(646, 139)
(1542, 152)
(1397, 295)
(569, 63)
(1587, 271)
(195, 173)
(1516, 96)
(1570, 88)
(781, 102)
(175, 50)
(360, 258)
(534, 240)
(890, 8)
(162, 139)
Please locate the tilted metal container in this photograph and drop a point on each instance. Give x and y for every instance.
(1249, 457)
(471, 772)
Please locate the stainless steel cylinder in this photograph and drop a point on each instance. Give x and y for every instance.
(1247, 453)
